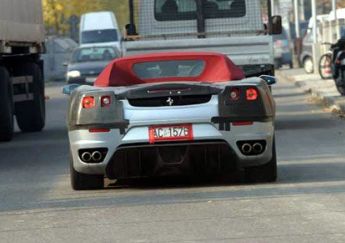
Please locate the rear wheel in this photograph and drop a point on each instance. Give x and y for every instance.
(81, 181)
(263, 173)
(31, 114)
(6, 106)
(325, 69)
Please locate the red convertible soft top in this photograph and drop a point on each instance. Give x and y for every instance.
(217, 68)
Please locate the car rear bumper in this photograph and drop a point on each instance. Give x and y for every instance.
(131, 154)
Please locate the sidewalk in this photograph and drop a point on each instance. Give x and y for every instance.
(324, 90)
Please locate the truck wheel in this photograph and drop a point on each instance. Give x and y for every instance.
(6, 106)
(263, 173)
(81, 181)
(31, 114)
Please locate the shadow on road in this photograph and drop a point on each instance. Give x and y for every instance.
(295, 179)
(307, 122)
(288, 95)
(159, 194)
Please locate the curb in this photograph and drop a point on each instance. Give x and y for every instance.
(335, 103)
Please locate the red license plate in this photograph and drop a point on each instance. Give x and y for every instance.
(170, 133)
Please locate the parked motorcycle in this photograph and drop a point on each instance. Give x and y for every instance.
(338, 65)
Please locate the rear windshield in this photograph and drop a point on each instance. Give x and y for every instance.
(173, 10)
(166, 69)
(99, 36)
(94, 54)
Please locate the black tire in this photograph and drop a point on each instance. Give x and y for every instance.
(263, 173)
(325, 66)
(31, 114)
(308, 65)
(291, 65)
(6, 106)
(81, 181)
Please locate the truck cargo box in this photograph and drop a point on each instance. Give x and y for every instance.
(21, 21)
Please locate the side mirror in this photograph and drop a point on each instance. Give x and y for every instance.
(277, 27)
(270, 80)
(68, 89)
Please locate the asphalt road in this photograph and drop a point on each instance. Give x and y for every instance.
(307, 204)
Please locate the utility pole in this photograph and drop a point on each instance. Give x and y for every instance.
(315, 49)
(334, 8)
(336, 25)
(302, 10)
(297, 16)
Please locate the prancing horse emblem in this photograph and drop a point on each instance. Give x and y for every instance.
(170, 101)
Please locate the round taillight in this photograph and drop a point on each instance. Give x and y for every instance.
(234, 94)
(251, 94)
(105, 101)
(88, 102)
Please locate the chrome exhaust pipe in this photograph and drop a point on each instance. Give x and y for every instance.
(258, 148)
(97, 156)
(86, 157)
(246, 148)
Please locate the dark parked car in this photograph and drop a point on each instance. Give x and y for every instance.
(282, 50)
(88, 62)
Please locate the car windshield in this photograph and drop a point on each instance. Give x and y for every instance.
(99, 36)
(165, 69)
(94, 54)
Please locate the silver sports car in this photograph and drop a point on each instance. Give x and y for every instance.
(171, 113)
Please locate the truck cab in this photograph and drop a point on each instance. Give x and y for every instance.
(21, 68)
(99, 29)
(241, 29)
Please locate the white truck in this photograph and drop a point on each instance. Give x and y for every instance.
(99, 29)
(241, 29)
(21, 71)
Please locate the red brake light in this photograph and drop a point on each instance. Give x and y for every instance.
(99, 130)
(105, 101)
(243, 123)
(252, 94)
(234, 94)
(88, 102)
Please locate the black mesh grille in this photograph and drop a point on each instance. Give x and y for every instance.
(195, 158)
(171, 101)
